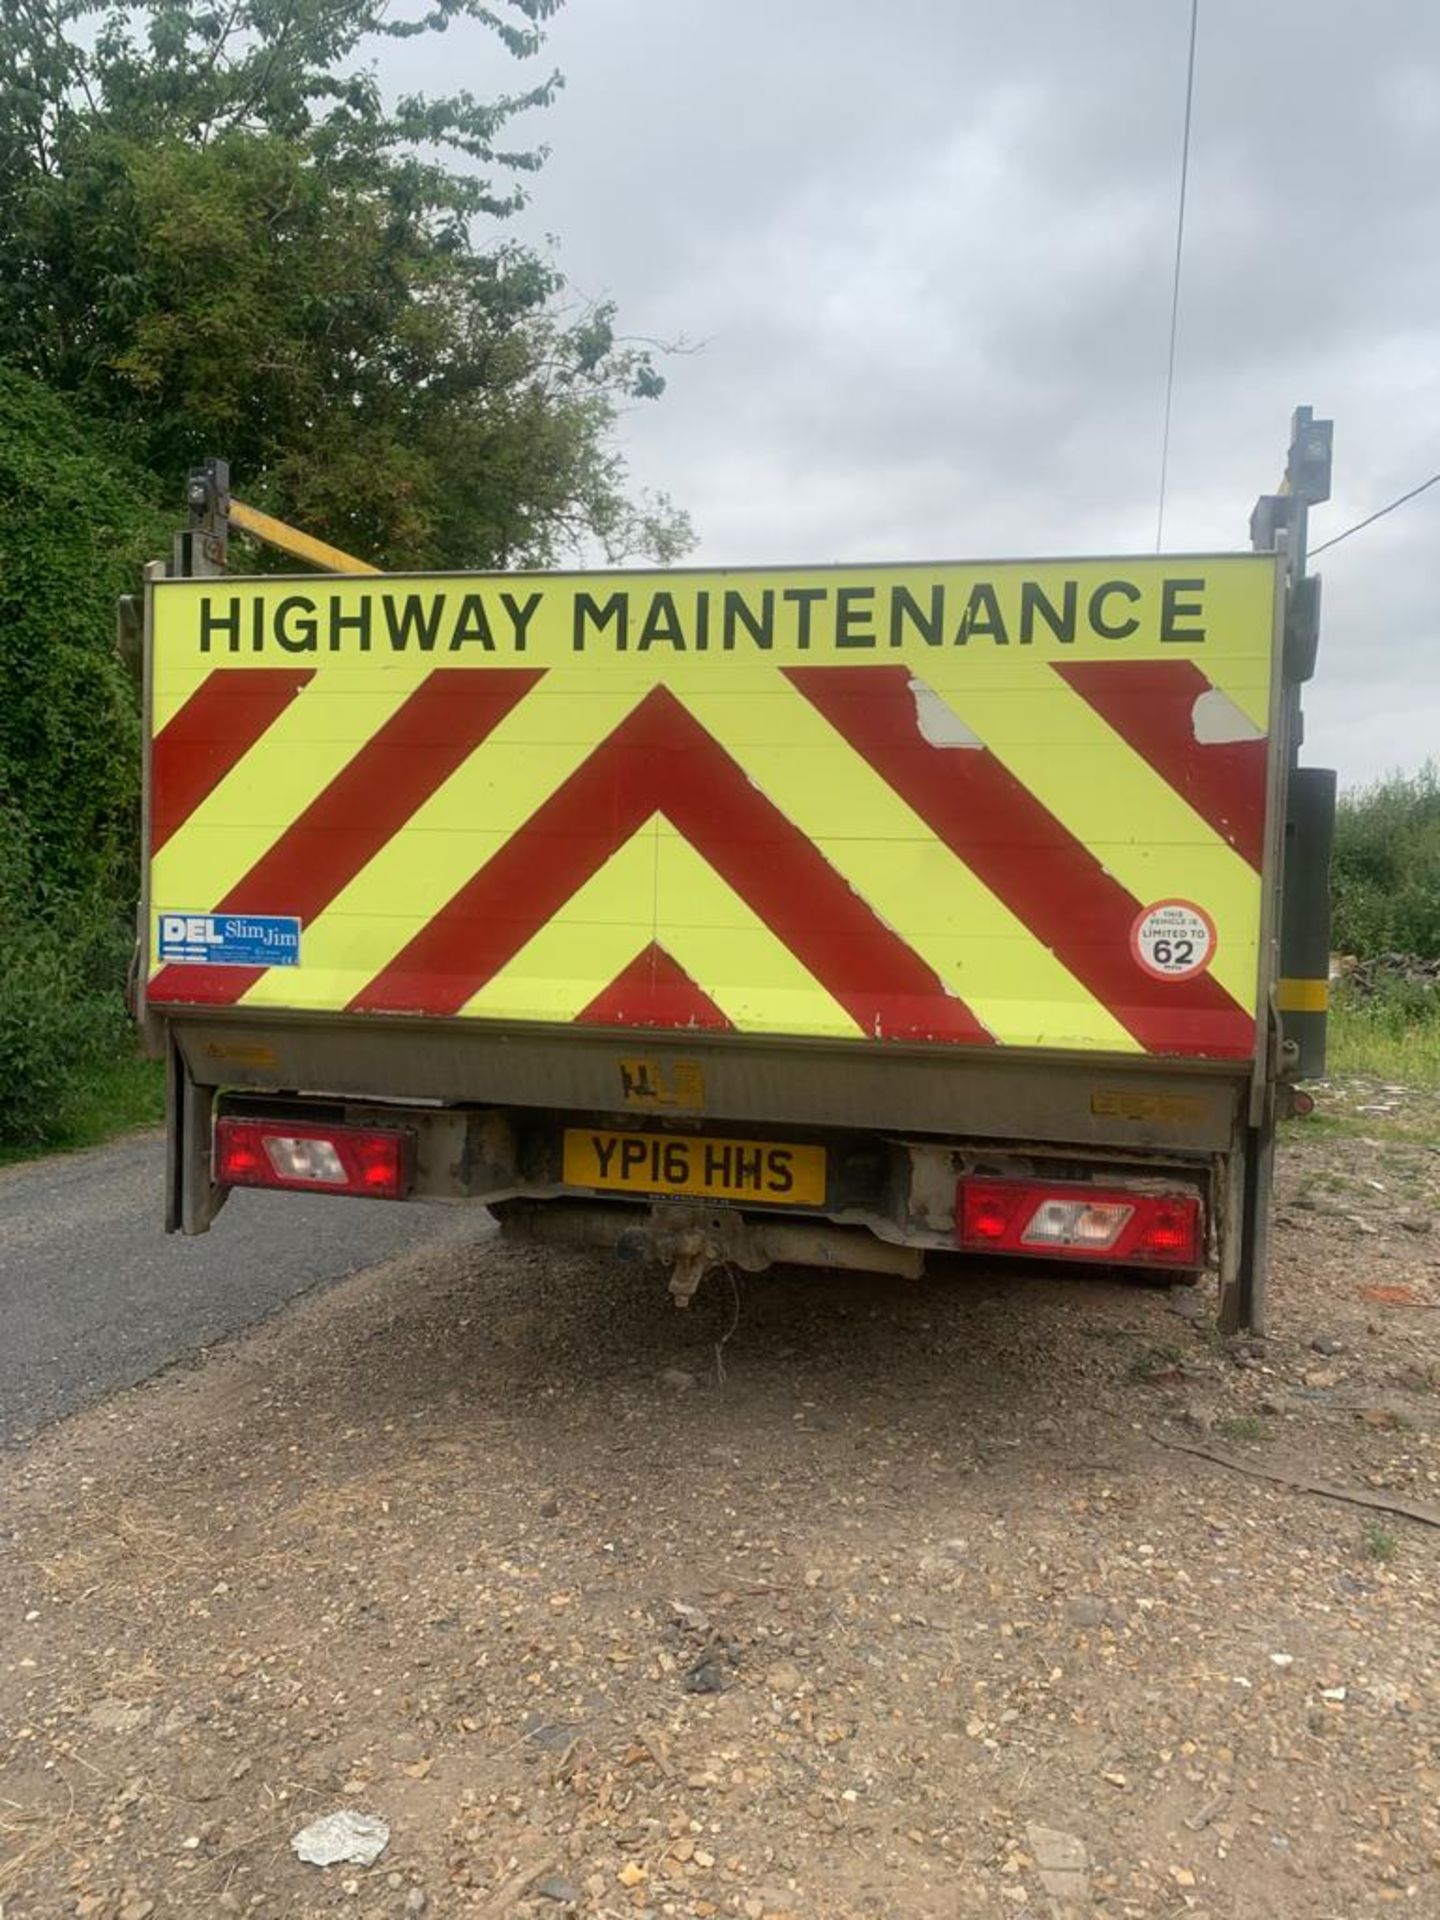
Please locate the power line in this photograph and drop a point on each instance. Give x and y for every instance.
(1179, 254)
(1379, 514)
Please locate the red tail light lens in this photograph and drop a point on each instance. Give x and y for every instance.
(369, 1161)
(1072, 1221)
(987, 1212)
(987, 1221)
(1172, 1232)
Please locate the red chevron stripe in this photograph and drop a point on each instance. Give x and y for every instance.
(422, 743)
(1029, 859)
(654, 991)
(216, 727)
(660, 760)
(1151, 705)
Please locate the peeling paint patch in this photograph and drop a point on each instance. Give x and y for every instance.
(1218, 722)
(939, 724)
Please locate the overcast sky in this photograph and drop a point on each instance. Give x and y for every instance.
(926, 248)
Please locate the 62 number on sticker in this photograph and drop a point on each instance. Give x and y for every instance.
(1173, 940)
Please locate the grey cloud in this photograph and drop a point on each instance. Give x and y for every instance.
(928, 249)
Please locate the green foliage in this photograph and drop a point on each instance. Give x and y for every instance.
(216, 231)
(75, 526)
(76, 522)
(1241, 1426)
(1385, 875)
(218, 235)
(1381, 1542)
(61, 1014)
(1394, 1035)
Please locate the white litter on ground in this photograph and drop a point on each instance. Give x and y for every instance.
(342, 1839)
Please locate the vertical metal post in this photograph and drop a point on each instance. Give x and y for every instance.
(192, 1198)
(1284, 516)
(1244, 1304)
(202, 547)
(1302, 993)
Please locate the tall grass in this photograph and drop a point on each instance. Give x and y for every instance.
(1385, 876)
(1395, 1037)
(1385, 891)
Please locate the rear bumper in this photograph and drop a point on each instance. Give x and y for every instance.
(1130, 1102)
(881, 1190)
(485, 1113)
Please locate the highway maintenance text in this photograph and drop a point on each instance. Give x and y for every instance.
(795, 614)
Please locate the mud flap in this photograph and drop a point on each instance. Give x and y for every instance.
(192, 1199)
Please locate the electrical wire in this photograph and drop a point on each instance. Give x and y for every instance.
(1379, 514)
(1179, 255)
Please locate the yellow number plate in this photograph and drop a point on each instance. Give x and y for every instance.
(705, 1169)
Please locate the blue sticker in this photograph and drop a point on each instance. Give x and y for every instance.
(230, 939)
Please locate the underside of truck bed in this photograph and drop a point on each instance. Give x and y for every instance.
(698, 1152)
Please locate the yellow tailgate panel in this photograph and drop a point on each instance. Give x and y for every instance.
(1020, 805)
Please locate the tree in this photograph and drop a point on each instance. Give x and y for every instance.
(75, 523)
(218, 233)
(1385, 874)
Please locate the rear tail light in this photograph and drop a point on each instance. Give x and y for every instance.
(1087, 1226)
(294, 1158)
(370, 1161)
(1080, 1223)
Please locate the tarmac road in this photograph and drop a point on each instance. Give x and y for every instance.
(94, 1296)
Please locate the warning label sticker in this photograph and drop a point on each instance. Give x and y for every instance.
(1174, 940)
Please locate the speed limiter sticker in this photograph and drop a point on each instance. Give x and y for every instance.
(1174, 940)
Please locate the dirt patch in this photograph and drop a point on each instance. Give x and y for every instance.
(888, 1604)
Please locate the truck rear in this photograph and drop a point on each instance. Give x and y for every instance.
(838, 915)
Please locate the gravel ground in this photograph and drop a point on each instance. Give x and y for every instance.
(832, 1597)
